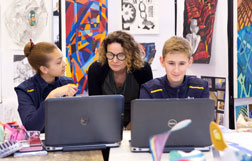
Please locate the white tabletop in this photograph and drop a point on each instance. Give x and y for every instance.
(123, 152)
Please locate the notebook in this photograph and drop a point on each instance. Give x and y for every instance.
(154, 116)
(83, 123)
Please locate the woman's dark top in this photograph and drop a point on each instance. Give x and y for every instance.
(101, 82)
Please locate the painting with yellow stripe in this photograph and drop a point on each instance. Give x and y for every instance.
(86, 27)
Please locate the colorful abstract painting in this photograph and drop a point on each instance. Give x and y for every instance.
(86, 27)
(244, 13)
(242, 109)
(244, 48)
(149, 51)
(199, 19)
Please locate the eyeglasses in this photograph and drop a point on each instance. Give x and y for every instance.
(119, 56)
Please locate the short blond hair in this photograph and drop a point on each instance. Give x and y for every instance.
(177, 44)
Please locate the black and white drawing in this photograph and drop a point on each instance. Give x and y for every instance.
(193, 37)
(22, 69)
(56, 24)
(23, 20)
(140, 16)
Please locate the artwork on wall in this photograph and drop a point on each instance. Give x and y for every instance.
(25, 19)
(140, 16)
(0, 58)
(86, 27)
(244, 48)
(56, 23)
(198, 24)
(217, 87)
(243, 112)
(22, 69)
(220, 118)
(149, 51)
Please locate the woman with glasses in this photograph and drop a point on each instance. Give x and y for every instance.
(120, 69)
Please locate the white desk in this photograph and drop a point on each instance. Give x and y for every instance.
(123, 153)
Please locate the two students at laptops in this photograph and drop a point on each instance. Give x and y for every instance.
(48, 82)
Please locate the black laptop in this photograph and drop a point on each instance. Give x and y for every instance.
(83, 123)
(154, 116)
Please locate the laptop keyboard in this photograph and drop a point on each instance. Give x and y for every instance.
(8, 148)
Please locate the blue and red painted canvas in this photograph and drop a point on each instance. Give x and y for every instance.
(86, 27)
(149, 51)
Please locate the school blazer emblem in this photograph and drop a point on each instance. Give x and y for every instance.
(84, 120)
(172, 122)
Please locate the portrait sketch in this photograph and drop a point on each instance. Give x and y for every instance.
(22, 69)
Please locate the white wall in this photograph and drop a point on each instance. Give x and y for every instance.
(218, 65)
(1, 108)
(8, 108)
(8, 94)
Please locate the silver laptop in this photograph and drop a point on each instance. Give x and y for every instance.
(154, 116)
(83, 123)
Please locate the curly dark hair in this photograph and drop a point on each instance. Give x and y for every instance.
(131, 49)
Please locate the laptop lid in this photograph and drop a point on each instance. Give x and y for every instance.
(86, 120)
(153, 116)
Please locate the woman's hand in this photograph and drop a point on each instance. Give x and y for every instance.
(67, 90)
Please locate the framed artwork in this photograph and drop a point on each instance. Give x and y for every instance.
(86, 27)
(0, 58)
(140, 16)
(23, 20)
(22, 69)
(220, 118)
(242, 106)
(242, 59)
(240, 42)
(217, 88)
(56, 23)
(209, 80)
(195, 22)
(220, 105)
(149, 51)
(220, 83)
(221, 95)
(213, 96)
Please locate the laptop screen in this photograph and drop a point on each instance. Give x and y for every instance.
(153, 116)
(85, 120)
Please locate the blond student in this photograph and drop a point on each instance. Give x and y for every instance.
(176, 59)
